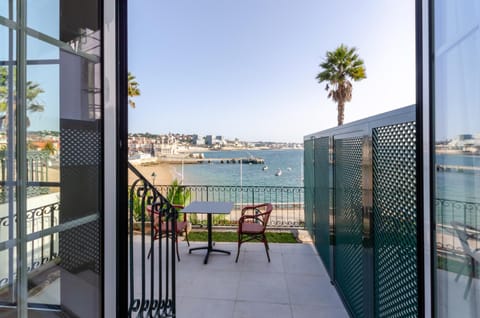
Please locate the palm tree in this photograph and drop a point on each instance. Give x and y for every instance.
(49, 148)
(339, 68)
(133, 89)
(33, 90)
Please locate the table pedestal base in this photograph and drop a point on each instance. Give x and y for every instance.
(209, 250)
(209, 247)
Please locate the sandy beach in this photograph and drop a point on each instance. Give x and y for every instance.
(164, 173)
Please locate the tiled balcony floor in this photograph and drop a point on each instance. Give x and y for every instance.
(294, 285)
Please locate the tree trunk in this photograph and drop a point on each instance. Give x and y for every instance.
(341, 110)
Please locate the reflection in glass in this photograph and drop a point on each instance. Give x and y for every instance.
(457, 156)
(43, 16)
(7, 278)
(7, 166)
(43, 105)
(64, 159)
(80, 24)
(39, 50)
(43, 213)
(4, 41)
(8, 9)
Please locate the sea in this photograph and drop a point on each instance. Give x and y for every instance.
(450, 185)
(289, 161)
(456, 185)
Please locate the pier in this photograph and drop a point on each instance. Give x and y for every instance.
(250, 160)
(457, 168)
(236, 160)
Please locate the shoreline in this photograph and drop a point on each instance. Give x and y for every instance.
(164, 173)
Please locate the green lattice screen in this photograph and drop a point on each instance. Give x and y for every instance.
(348, 223)
(321, 200)
(308, 183)
(395, 221)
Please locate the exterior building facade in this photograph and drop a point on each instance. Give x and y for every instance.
(62, 248)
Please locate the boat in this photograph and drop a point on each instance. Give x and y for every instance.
(265, 168)
(279, 172)
(289, 169)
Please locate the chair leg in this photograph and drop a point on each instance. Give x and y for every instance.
(266, 247)
(186, 237)
(238, 248)
(461, 270)
(150, 251)
(176, 245)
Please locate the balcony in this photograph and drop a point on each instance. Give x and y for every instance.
(361, 204)
(293, 285)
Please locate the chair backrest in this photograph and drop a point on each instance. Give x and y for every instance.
(261, 213)
(463, 237)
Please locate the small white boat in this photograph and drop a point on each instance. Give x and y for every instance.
(289, 169)
(265, 168)
(279, 172)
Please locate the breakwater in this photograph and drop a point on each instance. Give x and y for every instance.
(211, 160)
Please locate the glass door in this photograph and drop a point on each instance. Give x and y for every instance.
(51, 158)
(457, 157)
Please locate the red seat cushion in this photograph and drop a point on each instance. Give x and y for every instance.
(181, 226)
(252, 228)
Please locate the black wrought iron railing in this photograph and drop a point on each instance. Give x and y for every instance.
(288, 202)
(449, 211)
(152, 257)
(41, 250)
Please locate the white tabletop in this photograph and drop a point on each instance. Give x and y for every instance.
(208, 207)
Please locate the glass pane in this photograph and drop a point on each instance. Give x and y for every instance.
(43, 213)
(80, 25)
(7, 276)
(44, 16)
(457, 155)
(39, 50)
(4, 41)
(64, 158)
(7, 166)
(43, 107)
(8, 9)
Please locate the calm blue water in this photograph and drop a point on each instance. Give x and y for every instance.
(460, 186)
(450, 185)
(289, 161)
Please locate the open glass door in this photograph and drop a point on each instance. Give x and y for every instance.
(51, 158)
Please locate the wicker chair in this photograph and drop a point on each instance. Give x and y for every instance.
(162, 230)
(252, 225)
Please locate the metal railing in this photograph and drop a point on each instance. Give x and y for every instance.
(288, 202)
(37, 172)
(448, 211)
(44, 249)
(151, 276)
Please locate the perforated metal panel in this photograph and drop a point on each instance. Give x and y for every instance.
(348, 219)
(80, 147)
(395, 221)
(308, 183)
(81, 254)
(322, 231)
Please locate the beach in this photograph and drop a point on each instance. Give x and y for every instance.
(164, 173)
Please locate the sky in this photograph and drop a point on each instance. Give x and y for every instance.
(246, 68)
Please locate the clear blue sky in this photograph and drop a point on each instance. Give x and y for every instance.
(247, 68)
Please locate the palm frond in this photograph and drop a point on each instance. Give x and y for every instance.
(339, 68)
